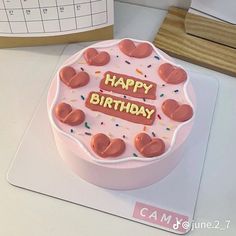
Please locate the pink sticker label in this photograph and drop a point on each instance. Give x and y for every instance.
(161, 217)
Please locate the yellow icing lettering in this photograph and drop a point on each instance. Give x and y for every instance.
(137, 85)
(149, 113)
(128, 85)
(108, 102)
(147, 88)
(110, 80)
(94, 99)
(129, 82)
(120, 81)
(117, 103)
(141, 111)
(102, 100)
(125, 107)
(134, 109)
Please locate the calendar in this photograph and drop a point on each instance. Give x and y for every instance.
(39, 18)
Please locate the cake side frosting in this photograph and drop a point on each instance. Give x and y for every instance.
(155, 106)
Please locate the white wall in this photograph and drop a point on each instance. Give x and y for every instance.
(162, 4)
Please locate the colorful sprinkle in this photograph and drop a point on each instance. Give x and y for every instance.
(139, 71)
(158, 58)
(149, 66)
(82, 97)
(127, 62)
(87, 133)
(81, 68)
(86, 125)
(135, 155)
(161, 95)
(159, 116)
(167, 128)
(153, 134)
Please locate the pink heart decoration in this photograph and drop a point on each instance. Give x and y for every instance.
(67, 115)
(175, 111)
(172, 74)
(140, 50)
(95, 58)
(72, 79)
(149, 147)
(106, 147)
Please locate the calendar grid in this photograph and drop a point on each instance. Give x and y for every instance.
(7, 16)
(90, 1)
(75, 14)
(106, 11)
(91, 13)
(24, 17)
(58, 16)
(56, 19)
(41, 16)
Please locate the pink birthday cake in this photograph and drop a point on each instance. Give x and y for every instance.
(121, 112)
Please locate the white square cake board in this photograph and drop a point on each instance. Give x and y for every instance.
(167, 204)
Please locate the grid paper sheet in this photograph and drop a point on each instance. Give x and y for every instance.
(22, 18)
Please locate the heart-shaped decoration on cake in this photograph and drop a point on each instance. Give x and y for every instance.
(95, 58)
(103, 146)
(149, 147)
(177, 112)
(140, 50)
(72, 79)
(172, 74)
(67, 115)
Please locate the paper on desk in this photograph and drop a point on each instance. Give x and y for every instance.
(32, 18)
(223, 10)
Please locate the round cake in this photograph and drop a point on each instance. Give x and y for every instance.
(121, 112)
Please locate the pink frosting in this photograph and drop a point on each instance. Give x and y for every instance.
(163, 127)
